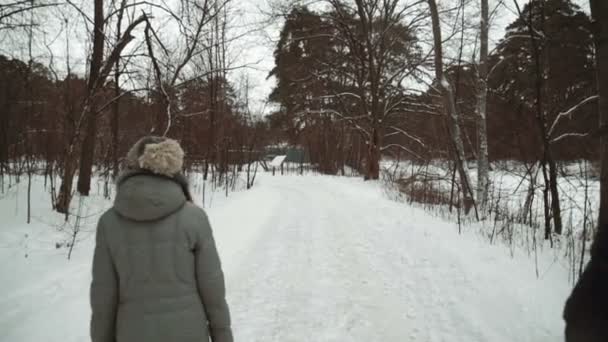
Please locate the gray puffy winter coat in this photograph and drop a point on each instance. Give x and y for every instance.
(156, 271)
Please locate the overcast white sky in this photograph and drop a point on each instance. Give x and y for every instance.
(253, 50)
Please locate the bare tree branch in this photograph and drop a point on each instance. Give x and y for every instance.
(569, 113)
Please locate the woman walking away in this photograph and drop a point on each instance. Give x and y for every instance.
(156, 271)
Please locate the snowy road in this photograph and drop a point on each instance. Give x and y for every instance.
(336, 261)
(318, 259)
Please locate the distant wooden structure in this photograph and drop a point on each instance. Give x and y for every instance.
(282, 157)
(295, 155)
(278, 161)
(231, 157)
(270, 158)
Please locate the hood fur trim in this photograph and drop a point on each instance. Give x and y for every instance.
(164, 158)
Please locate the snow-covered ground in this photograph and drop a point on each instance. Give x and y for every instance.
(307, 258)
(509, 186)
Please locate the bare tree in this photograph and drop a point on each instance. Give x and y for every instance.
(115, 119)
(193, 19)
(450, 109)
(88, 144)
(99, 70)
(375, 33)
(11, 12)
(213, 65)
(547, 161)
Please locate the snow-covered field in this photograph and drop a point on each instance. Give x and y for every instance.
(307, 258)
(509, 187)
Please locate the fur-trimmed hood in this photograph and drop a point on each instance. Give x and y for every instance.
(158, 155)
(154, 156)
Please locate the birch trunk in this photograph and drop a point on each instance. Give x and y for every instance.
(482, 135)
(449, 104)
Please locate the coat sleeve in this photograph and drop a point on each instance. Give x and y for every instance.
(210, 282)
(104, 291)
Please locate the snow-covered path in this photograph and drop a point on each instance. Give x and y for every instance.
(319, 258)
(336, 261)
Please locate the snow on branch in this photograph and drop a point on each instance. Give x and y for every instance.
(352, 120)
(569, 112)
(569, 135)
(599, 132)
(402, 148)
(116, 98)
(500, 62)
(400, 131)
(340, 94)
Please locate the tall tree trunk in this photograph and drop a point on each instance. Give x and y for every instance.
(115, 124)
(586, 311)
(546, 205)
(482, 135)
(114, 121)
(163, 114)
(210, 159)
(555, 206)
(599, 10)
(69, 168)
(373, 156)
(451, 111)
(373, 69)
(87, 156)
(456, 136)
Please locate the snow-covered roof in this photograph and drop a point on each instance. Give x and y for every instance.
(278, 160)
